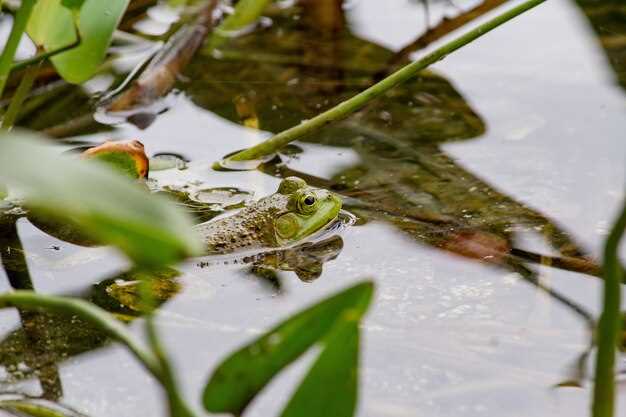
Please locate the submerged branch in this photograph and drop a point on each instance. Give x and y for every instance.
(353, 104)
(160, 76)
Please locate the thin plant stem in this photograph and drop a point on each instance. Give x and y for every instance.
(176, 403)
(353, 104)
(609, 326)
(178, 406)
(87, 312)
(44, 55)
(20, 96)
(17, 30)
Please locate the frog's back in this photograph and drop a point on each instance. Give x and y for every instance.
(250, 228)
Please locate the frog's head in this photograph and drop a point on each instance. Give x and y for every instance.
(308, 210)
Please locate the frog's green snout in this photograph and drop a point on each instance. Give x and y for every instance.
(330, 204)
(329, 208)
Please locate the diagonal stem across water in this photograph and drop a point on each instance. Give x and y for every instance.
(355, 103)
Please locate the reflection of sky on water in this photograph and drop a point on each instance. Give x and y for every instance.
(446, 336)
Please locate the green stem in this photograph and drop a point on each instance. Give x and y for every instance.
(19, 97)
(178, 406)
(19, 25)
(353, 104)
(609, 326)
(45, 55)
(87, 312)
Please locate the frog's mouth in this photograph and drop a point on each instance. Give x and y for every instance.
(305, 225)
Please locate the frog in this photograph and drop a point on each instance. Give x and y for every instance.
(294, 212)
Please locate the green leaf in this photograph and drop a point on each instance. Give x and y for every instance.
(330, 387)
(241, 376)
(102, 203)
(72, 4)
(52, 26)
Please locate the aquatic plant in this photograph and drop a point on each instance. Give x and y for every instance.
(610, 324)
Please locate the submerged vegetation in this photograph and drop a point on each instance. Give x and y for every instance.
(292, 69)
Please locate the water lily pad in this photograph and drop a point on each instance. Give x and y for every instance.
(164, 161)
(224, 198)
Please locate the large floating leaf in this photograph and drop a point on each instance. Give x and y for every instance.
(52, 25)
(102, 203)
(333, 322)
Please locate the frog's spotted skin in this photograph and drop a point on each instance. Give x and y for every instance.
(294, 212)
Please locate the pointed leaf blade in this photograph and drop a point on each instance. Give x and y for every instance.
(330, 387)
(240, 377)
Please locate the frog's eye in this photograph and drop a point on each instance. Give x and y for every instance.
(306, 203)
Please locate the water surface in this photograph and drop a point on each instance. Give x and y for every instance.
(515, 140)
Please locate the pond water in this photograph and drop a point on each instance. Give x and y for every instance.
(516, 140)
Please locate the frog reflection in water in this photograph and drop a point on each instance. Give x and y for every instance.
(293, 213)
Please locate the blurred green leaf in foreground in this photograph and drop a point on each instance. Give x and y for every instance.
(99, 201)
